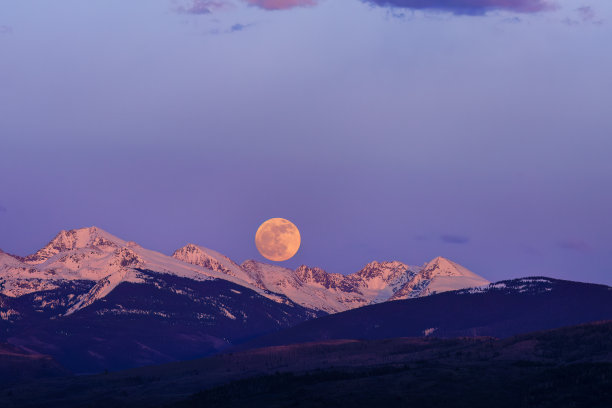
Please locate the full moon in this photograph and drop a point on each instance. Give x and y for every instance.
(277, 239)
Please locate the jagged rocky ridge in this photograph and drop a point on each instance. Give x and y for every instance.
(317, 289)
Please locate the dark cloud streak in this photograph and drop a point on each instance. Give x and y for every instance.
(239, 27)
(468, 7)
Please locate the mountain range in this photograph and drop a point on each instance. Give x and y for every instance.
(94, 255)
(94, 302)
(87, 294)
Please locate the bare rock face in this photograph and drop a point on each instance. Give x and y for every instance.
(385, 271)
(125, 258)
(331, 281)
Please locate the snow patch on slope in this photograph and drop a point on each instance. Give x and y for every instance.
(522, 285)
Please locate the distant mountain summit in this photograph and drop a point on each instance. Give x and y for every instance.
(437, 276)
(65, 241)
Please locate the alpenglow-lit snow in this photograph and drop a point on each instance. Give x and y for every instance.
(91, 254)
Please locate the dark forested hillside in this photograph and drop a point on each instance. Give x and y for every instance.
(569, 367)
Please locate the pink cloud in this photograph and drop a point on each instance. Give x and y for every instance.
(281, 4)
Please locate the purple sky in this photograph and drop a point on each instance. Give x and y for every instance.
(478, 130)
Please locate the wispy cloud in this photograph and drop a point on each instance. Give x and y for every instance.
(469, 7)
(4, 29)
(454, 239)
(584, 15)
(200, 7)
(3, 209)
(281, 4)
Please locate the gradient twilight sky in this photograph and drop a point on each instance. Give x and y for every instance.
(478, 130)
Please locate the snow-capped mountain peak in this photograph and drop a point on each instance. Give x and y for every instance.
(75, 239)
(440, 266)
(378, 281)
(439, 275)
